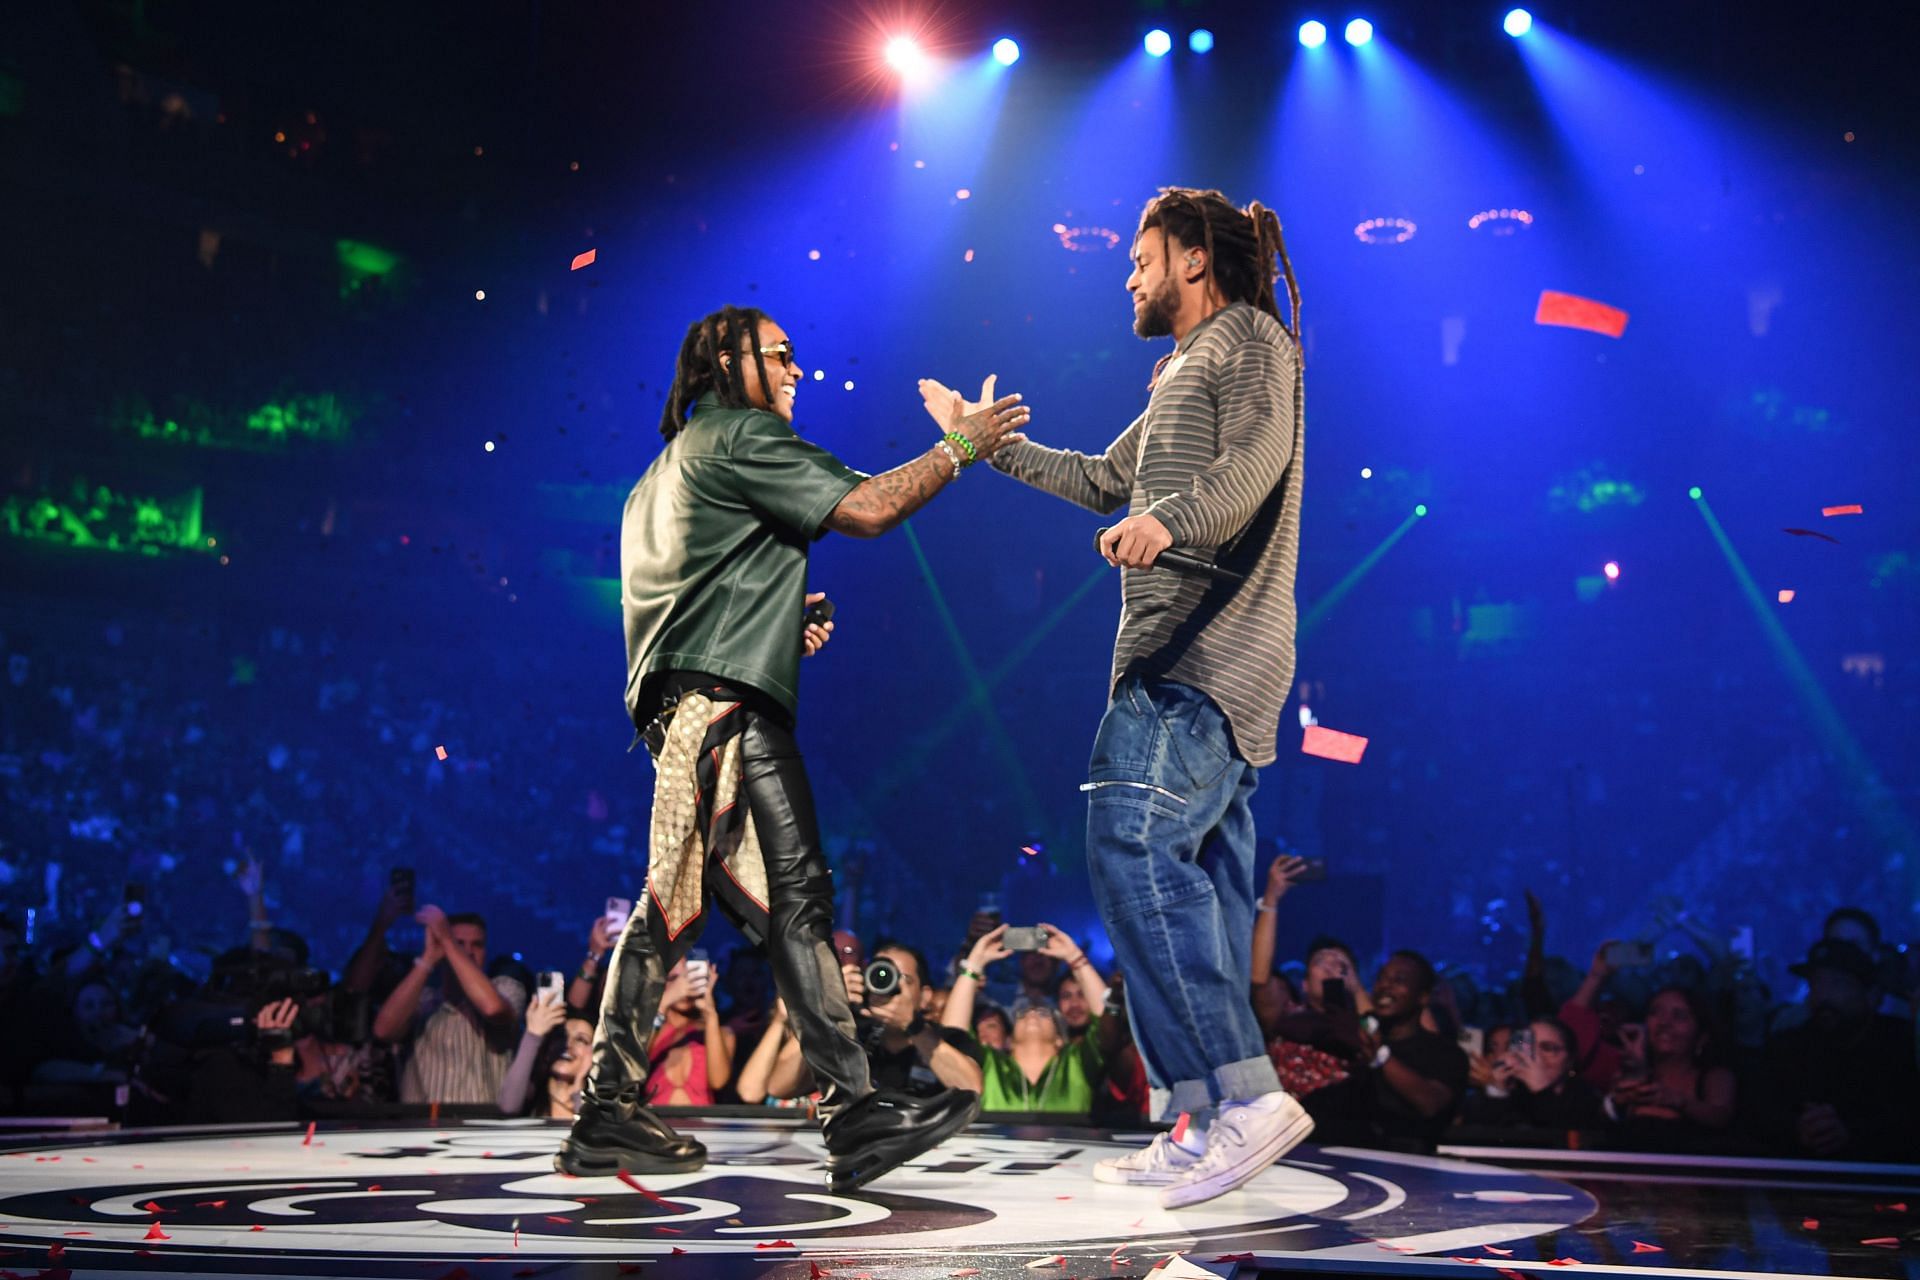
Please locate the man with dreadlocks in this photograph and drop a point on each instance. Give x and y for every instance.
(713, 565)
(1200, 672)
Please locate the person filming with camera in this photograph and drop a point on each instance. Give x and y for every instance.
(1044, 1067)
(906, 1050)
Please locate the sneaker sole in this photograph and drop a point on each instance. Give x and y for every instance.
(1107, 1173)
(877, 1161)
(1192, 1193)
(607, 1161)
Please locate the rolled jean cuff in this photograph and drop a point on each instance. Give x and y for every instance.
(1247, 1078)
(1190, 1096)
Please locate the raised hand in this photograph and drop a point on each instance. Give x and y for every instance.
(940, 399)
(1282, 876)
(276, 1017)
(991, 946)
(433, 920)
(989, 426)
(251, 878)
(544, 1015)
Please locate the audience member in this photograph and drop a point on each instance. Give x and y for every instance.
(1533, 1084)
(1416, 1078)
(1843, 1084)
(992, 1027)
(1043, 1069)
(692, 1051)
(458, 1036)
(1668, 1094)
(907, 1051)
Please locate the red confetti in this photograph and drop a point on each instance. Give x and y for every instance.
(583, 259)
(677, 1251)
(1641, 1246)
(308, 1140)
(1511, 1274)
(776, 1244)
(1180, 1127)
(652, 1198)
(1851, 509)
(554, 1217)
(1571, 311)
(1472, 1262)
(1063, 1197)
(153, 1206)
(1563, 1262)
(55, 1249)
(1809, 533)
(155, 1233)
(671, 1231)
(219, 1204)
(1494, 1248)
(815, 1271)
(375, 1187)
(1890, 1208)
(1883, 1242)
(1332, 745)
(1810, 1224)
(256, 1227)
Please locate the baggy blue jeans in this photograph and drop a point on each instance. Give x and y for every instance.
(1170, 854)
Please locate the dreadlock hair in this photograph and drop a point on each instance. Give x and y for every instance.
(699, 368)
(1241, 245)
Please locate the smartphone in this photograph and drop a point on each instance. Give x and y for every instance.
(553, 986)
(1315, 870)
(1520, 1045)
(401, 879)
(618, 912)
(699, 969)
(134, 901)
(1473, 1040)
(1335, 996)
(1629, 955)
(1024, 938)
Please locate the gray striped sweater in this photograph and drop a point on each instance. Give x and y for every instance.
(1217, 456)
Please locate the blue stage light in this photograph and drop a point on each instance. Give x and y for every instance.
(1006, 52)
(1159, 43)
(1518, 23)
(1200, 41)
(1313, 34)
(1359, 31)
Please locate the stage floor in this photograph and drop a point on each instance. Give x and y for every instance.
(478, 1200)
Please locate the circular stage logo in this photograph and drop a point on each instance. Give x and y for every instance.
(487, 1190)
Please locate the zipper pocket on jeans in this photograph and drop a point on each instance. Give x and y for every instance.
(1144, 786)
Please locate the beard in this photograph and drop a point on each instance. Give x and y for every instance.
(1154, 319)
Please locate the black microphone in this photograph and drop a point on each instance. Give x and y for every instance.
(1182, 562)
(819, 613)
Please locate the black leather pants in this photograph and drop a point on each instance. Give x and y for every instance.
(799, 943)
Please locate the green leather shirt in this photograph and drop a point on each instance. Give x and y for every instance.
(713, 553)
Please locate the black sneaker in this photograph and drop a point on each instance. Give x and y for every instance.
(622, 1134)
(883, 1131)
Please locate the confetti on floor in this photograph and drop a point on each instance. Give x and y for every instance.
(1571, 311)
(1329, 744)
(1883, 1242)
(155, 1233)
(1851, 509)
(1641, 1246)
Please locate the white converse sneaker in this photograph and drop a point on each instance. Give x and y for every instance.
(1157, 1164)
(1245, 1138)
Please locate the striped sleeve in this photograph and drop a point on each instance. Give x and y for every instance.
(1256, 388)
(1099, 482)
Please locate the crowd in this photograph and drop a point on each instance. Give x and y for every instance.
(1689, 1053)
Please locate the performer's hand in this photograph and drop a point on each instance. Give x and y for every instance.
(941, 399)
(1136, 542)
(987, 425)
(814, 638)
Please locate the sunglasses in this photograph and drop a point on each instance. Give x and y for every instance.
(781, 351)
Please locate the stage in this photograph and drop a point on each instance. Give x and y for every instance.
(479, 1199)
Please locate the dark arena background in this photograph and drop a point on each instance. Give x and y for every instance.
(332, 338)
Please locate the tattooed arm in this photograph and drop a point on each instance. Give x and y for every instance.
(881, 502)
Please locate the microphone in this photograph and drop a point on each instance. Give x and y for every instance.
(1182, 562)
(819, 613)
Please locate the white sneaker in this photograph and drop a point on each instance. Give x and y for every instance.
(1245, 1138)
(1157, 1164)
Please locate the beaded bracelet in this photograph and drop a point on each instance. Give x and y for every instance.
(968, 973)
(952, 456)
(972, 455)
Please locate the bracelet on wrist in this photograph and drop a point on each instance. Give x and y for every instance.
(970, 973)
(1080, 962)
(973, 455)
(952, 456)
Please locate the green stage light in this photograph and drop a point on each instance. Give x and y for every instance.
(1694, 493)
(1420, 510)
